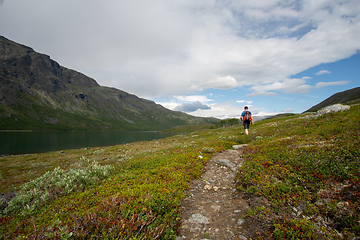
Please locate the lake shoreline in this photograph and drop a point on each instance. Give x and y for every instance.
(31, 142)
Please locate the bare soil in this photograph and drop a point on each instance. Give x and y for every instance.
(213, 208)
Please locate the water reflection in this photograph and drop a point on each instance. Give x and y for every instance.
(14, 142)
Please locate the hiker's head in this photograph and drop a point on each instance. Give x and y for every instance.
(246, 108)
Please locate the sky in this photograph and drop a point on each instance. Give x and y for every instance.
(208, 58)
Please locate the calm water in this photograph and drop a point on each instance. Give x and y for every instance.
(45, 141)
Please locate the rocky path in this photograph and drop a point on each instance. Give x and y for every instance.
(213, 209)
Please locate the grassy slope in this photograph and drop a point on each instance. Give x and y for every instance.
(306, 164)
(306, 172)
(141, 114)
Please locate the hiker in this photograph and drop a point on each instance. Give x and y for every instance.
(246, 118)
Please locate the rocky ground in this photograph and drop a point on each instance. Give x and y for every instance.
(213, 208)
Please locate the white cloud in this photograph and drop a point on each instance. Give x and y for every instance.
(325, 84)
(290, 86)
(180, 47)
(243, 101)
(216, 82)
(321, 72)
(186, 103)
(220, 110)
(293, 85)
(193, 98)
(255, 94)
(287, 110)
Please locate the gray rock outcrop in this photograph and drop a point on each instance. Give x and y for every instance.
(332, 108)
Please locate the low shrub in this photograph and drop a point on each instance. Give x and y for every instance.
(54, 183)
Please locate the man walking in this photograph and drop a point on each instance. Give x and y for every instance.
(246, 118)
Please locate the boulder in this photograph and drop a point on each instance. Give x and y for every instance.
(332, 108)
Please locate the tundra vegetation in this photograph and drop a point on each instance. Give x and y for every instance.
(302, 171)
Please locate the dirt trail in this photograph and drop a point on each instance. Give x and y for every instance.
(213, 208)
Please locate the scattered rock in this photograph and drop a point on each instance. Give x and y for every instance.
(225, 162)
(198, 218)
(332, 108)
(241, 221)
(216, 208)
(238, 147)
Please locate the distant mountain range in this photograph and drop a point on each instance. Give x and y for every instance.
(345, 97)
(36, 93)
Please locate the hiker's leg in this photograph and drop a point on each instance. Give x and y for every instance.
(246, 127)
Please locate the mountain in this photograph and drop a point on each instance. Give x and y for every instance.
(36, 93)
(345, 97)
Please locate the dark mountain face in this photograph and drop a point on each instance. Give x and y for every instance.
(347, 96)
(37, 93)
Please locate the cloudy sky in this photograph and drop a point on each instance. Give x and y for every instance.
(203, 57)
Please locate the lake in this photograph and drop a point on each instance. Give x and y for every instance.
(22, 142)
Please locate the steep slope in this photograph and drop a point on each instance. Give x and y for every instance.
(347, 96)
(37, 93)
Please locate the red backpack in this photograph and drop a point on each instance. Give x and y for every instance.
(247, 116)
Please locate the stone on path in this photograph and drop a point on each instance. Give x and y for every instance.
(241, 221)
(225, 162)
(198, 218)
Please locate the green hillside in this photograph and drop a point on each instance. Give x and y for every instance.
(301, 178)
(36, 93)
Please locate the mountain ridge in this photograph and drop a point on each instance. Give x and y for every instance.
(350, 96)
(37, 93)
(344, 97)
